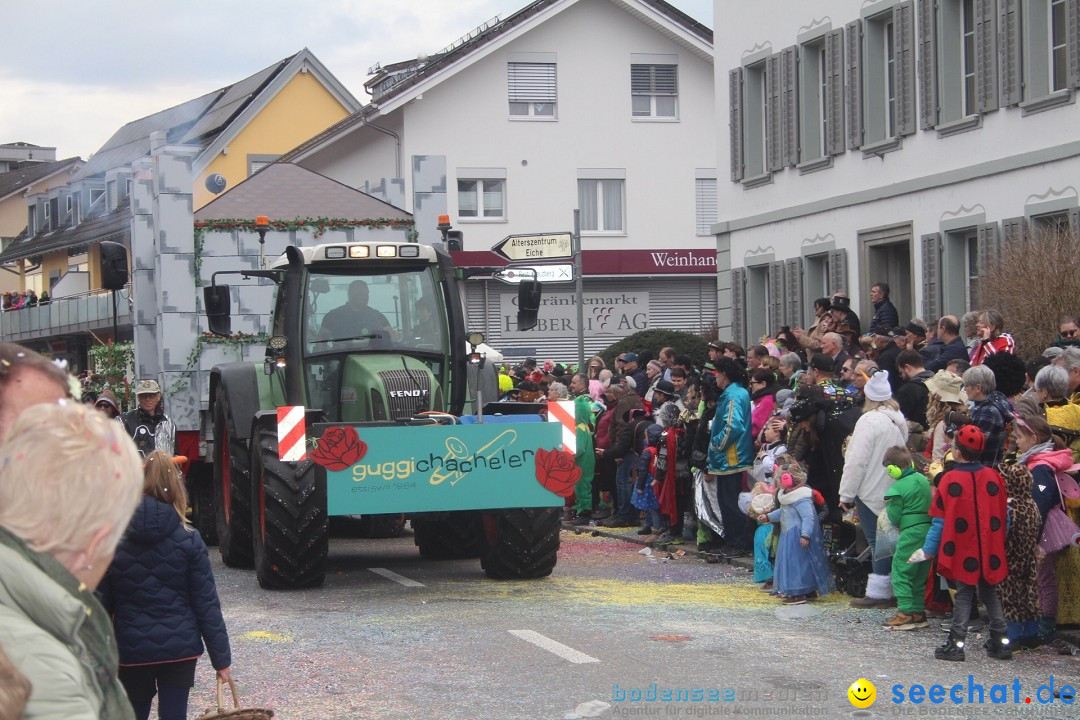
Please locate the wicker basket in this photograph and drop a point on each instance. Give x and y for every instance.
(237, 712)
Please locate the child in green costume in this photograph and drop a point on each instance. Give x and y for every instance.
(907, 502)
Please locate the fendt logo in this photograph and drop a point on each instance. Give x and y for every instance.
(407, 393)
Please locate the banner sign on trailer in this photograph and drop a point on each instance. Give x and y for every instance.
(394, 469)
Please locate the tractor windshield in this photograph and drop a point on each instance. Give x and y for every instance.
(377, 312)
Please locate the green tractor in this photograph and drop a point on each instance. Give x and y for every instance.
(367, 341)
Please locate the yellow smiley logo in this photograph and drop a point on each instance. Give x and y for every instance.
(862, 693)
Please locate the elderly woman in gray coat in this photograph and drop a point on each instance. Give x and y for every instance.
(69, 481)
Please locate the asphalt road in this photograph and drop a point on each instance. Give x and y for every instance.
(391, 635)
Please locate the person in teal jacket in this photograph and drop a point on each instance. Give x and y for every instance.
(731, 453)
(907, 503)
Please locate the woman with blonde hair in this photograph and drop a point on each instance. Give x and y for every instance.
(160, 591)
(69, 481)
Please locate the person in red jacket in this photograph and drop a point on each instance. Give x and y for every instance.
(969, 515)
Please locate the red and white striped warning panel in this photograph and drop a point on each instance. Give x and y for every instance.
(291, 433)
(563, 412)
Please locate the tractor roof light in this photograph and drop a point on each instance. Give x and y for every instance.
(386, 251)
(409, 251)
(336, 252)
(359, 251)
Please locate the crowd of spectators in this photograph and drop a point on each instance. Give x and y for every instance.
(20, 300)
(858, 424)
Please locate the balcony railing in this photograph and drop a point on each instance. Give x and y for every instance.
(74, 313)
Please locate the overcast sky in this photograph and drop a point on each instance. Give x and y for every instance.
(72, 73)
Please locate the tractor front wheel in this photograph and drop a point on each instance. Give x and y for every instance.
(521, 544)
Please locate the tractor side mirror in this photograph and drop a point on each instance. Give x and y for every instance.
(528, 304)
(218, 301)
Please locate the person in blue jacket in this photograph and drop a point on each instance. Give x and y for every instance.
(161, 595)
(731, 453)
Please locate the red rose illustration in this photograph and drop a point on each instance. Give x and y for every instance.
(339, 448)
(556, 471)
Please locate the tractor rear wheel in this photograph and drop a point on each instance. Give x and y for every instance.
(232, 489)
(288, 506)
(452, 536)
(521, 544)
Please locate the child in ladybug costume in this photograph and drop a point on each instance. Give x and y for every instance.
(969, 526)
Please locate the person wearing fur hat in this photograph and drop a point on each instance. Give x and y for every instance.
(864, 480)
(969, 529)
(802, 570)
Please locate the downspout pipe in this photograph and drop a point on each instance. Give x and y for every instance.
(397, 143)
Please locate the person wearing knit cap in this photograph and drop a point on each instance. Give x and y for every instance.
(865, 480)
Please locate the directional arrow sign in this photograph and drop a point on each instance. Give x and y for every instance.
(542, 273)
(542, 246)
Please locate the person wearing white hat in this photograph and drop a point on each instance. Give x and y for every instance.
(864, 480)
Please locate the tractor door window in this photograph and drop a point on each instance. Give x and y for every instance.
(374, 312)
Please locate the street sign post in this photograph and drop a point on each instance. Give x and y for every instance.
(540, 246)
(541, 273)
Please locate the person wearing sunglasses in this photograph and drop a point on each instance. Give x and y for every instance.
(1068, 332)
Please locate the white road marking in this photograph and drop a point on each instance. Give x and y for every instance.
(563, 651)
(391, 575)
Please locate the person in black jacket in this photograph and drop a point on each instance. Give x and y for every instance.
(884, 311)
(161, 595)
(147, 424)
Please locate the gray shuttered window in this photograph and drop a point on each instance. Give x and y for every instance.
(931, 276)
(789, 105)
(1072, 35)
(705, 204)
(777, 304)
(838, 277)
(834, 93)
(1074, 220)
(735, 118)
(854, 93)
(774, 126)
(904, 22)
(928, 64)
(990, 240)
(986, 56)
(793, 269)
(1009, 47)
(654, 79)
(738, 304)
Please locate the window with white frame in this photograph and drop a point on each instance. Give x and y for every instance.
(1058, 46)
(532, 89)
(821, 97)
(601, 201)
(881, 78)
(957, 62)
(654, 90)
(706, 209)
(1038, 40)
(482, 199)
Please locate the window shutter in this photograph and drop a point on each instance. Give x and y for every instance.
(777, 305)
(738, 304)
(838, 271)
(904, 22)
(1074, 221)
(794, 289)
(774, 126)
(654, 80)
(931, 276)
(1072, 39)
(1012, 85)
(834, 92)
(986, 76)
(705, 200)
(1013, 230)
(854, 94)
(990, 241)
(928, 65)
(789, 67)
(735, 93)
(531, 82)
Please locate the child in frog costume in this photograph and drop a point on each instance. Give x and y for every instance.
(907, 503)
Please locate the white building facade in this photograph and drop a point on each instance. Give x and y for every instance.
(602, 105)
(887, 140)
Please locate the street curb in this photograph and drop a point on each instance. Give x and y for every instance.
(746, 563)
